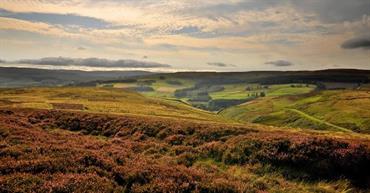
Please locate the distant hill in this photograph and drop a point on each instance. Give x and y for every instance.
(20, 77)
(278, 77)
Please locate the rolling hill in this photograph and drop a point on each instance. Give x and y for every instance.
(340, 110)
(103, 139)
(21, 77)
(101, 100)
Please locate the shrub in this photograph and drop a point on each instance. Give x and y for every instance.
(175, 139)
(218, 186)
(4, 132)
(153, 154)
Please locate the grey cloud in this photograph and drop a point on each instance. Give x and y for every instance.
(81, 48)
(334, 10)
(327, 11)
(357, 42)
(2, 61)
(284, 42)
(280, 63)
(221, 10)
(57, 19)
(92, 62)
(220, 64)
(187, 30)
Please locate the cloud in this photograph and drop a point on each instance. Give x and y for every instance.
(220, 64)
(57, 19)
(231, 30)
(92, 62)
(81, 48)
(334, 10)
(187, 30)
(357, 42)
(2, 61)
(280, 63)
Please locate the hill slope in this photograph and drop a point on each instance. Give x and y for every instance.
(326, 110)
(101, 100)
(21, 77)
(63, 151)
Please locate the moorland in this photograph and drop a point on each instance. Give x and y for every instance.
(303, 131)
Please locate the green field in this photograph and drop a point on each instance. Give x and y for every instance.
(161, 87)
(231, 91)
(207, 95)
(239, 91)
(340, 110)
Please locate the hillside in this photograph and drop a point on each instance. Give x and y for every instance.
(334, 100)
(210, 96)
(64, 151)
(101, 100)
(150, 134)
(21, 77)
(340, 110)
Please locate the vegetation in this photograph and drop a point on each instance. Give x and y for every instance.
(21, 77)
(259, 132)
(64, 151)
(325, 110)
(210, 97)
(101, 100)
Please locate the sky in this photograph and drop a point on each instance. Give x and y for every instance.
(183, 35)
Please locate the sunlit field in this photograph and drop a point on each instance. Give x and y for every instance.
(100, 100)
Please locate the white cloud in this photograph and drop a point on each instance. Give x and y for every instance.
(242, 30)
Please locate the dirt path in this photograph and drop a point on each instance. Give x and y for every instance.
(314, 119)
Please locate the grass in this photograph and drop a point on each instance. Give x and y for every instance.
(313, 119)
(162, 88)
(238, 91)
(234, 91)
(102, 100)
(328, 110)
(288, 89)
(271, 180)
(340, 110)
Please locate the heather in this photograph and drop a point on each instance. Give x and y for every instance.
(60, 151)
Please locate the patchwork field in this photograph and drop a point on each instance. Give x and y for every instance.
(206, 96)
(242, 91)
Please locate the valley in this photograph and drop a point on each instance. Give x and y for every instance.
(186, 133)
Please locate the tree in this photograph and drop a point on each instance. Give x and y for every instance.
(262, 94)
